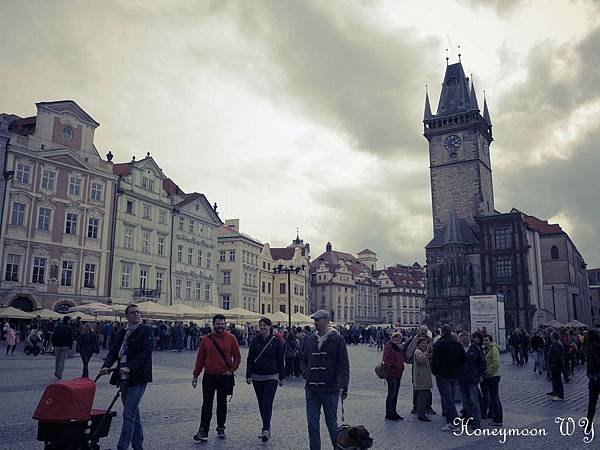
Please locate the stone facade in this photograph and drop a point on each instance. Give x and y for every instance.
(402, 294)
(594, 280)
(56, 225)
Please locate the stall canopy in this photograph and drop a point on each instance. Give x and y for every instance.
(184, 310)
(554, 324)
(301, 318)
(278, 317)
(241, 313)
(47, 314)
(14, 313)
(90, 307)
(209, 311)
(576, 324)
(151, 309)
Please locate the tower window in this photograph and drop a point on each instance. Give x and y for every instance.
(554, 252)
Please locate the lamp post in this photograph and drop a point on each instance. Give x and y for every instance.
(289, 270)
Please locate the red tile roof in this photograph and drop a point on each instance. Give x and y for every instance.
(542, 226)
(171, 187)
(282, 253)
(121, 169)
(366, 250)
(332, 259)
(406, 277)
(23, 127)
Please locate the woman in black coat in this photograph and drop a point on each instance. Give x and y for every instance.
(87, 345)
(265, 369)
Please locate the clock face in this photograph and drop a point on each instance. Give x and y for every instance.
(452, 143)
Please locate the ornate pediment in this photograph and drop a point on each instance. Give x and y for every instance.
(68, 160)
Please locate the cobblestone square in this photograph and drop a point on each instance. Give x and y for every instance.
(171, 408)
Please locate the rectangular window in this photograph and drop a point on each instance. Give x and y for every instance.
(66, 277)
(44, 215)
(161, 245)
(191, 226)
(128, 238)
(177, 288)
(130, 207)
(502, 237)
(17, 216)
(503, 268)
(23, 173)
(264, 286)
(126, 276)
(147, 184)
(180, 224)
(226, 277)
(207, 292)
(296, 289)
(147, 212)
(188, 289)
(222, 256)
(71, 224)
(89, 276)
(160, 276)
(48, 179)
(179, 253)
(269, 287)
(199, 258)
(145, 242)
(282, 288)
(75, 186)
(198, 290)
(226, 302)
(143, 278)
(39, 270)
(208, 257)
(93, 225)
(96, 192)
(12, 267)
(231, 255)
(282, 308)
(162, 216)
(190, 259)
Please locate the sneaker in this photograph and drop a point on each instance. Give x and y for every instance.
(424, 418)
(557, 399)
(431, 411)
(266, 434)
(448, 427)
(201, 436)
(221, 433)
(398, 416)
(392, 418)
(550, 393)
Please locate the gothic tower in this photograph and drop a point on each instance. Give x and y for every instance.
(459, 139)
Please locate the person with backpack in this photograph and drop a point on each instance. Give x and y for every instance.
(264, 369)
(219, 357)
(392, 358)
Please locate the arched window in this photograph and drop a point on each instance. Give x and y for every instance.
(554, 252)
(452, 273)
(509, 299)
(471, 276)
(441, 280)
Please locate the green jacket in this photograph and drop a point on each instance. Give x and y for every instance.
(492, 360)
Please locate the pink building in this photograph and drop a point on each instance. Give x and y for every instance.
(55, 235)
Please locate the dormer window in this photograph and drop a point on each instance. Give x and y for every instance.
(452, 81)
(67, 133)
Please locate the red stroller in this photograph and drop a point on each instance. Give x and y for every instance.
(66, 420)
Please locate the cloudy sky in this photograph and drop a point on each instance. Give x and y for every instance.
(308, 113)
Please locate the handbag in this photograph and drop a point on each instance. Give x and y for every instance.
(230, 378)
(382, 370)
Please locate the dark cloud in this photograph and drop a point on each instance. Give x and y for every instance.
(502, 7)
(341, 71)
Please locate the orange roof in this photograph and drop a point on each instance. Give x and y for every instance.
(542, 226)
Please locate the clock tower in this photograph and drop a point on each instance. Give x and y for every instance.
(459, 137)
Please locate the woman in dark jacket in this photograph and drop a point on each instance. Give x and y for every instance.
(592, 354)
(264, 369)
(87, 345)
(392, 357)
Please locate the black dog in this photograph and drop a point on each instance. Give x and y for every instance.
(353, 438)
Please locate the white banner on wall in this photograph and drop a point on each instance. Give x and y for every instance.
(484, 313)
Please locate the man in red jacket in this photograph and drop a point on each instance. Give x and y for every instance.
(219, 356)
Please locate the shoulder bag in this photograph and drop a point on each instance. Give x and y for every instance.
(230, 379)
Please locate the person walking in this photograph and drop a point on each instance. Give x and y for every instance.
(448, 356)
(11, 340)
(392, 358)
(537, 348)
(132, 351)
(265, 370)
(326, 369)
(219, 357)
(290, 349)
(87, 345)
(556, 362)
(491, 382)
(592, 355)
(421, 375)
(471, 374)
(62, 340)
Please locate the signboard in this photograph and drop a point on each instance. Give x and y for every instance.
(484, 313)
(501, 323)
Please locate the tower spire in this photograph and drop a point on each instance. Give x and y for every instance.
(427, 114)
(486, 113)
(474, 104)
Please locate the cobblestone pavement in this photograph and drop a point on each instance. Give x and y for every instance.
(171, 408)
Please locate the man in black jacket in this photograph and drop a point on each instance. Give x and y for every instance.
(471, 373)
(132, 349)
(326, 369)
(448, 356)
(62, 340)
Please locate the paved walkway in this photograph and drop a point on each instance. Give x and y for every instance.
(171, 408)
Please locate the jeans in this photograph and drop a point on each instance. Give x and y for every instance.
(446, 388)
(422, 401)
(557, 384)
(391, 400)
(470, 399)
(10, 347)
(491, 398)
(289, 365)
(539, 360)
(265, 393)
(210, 385)
(594, 391)
(131, 432)
(60, 354)
(85, 359)
(314, 401)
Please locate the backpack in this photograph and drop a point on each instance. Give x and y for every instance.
(382, 370)
(405, 350)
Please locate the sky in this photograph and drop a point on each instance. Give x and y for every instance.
(308, 114)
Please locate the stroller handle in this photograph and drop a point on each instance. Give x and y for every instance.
(99, 374)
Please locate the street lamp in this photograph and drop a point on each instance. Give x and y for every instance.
(289, 269)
